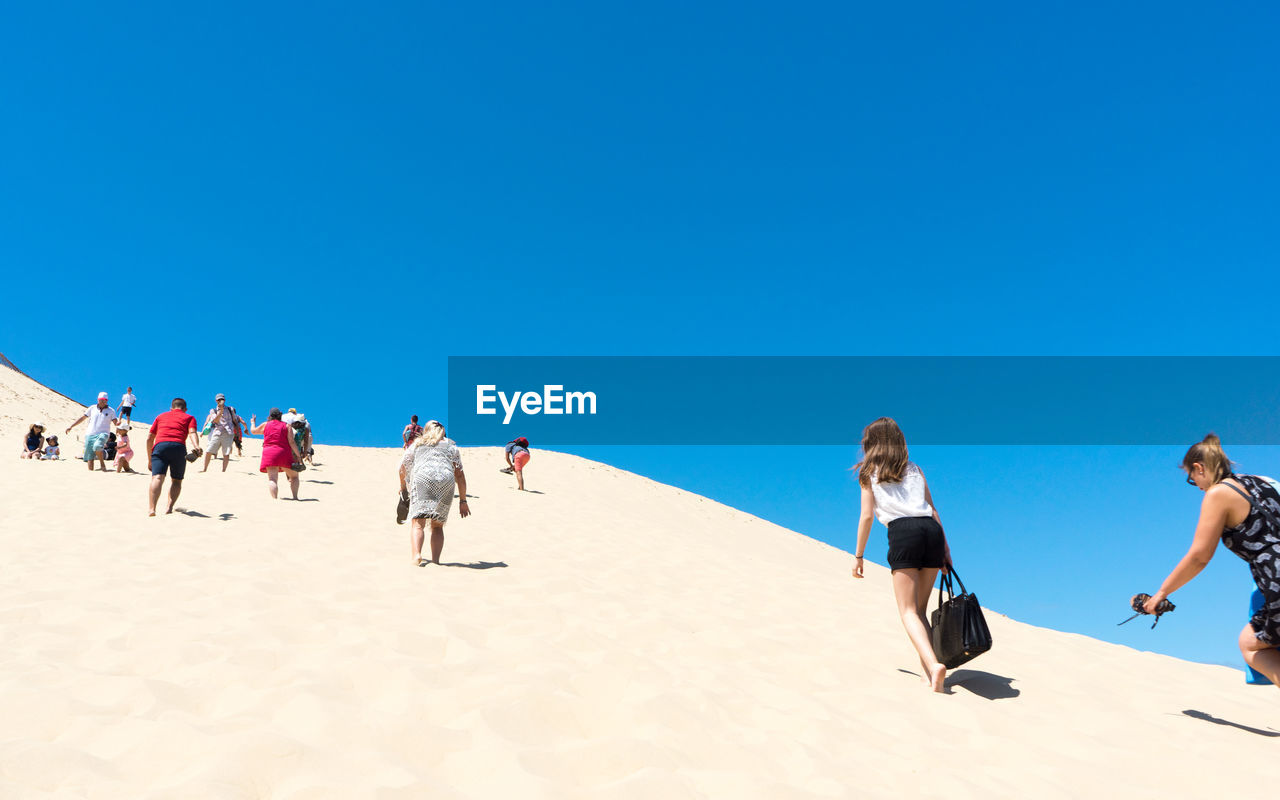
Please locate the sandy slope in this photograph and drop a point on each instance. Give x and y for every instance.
(608, 637)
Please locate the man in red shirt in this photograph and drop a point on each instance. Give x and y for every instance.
(167, 450)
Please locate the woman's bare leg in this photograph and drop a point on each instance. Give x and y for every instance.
(906, 591)
(437, 540)
(417, 532)
(272, 485)
(1266, 661)
(293, 482)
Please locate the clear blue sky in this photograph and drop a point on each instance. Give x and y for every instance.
(314, 205)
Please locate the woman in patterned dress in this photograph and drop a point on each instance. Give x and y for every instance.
(1244, 511)
(429, 471)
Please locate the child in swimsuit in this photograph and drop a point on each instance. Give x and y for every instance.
(51, 449)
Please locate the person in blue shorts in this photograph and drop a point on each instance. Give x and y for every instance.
(167, 451)
(100, 417)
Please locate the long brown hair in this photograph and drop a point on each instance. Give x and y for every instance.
(1208, 451)
(884, 453)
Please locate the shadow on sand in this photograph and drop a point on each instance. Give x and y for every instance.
(983, 684)
(313, 480)
(1200, 715)
(472, 565)
(188, 513)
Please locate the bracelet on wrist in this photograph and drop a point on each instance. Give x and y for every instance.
(858, 557)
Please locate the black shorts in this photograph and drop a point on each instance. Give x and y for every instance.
(171, 456)
(916, 543)
(127, 412)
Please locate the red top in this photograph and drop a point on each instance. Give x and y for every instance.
(173, 426)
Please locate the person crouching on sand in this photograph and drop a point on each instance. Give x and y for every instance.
(33, 443)
(51, 450)
(167, 451)
(1243, 511)
(517, 456)
(429, 471)
(895, 492)
(279, 451)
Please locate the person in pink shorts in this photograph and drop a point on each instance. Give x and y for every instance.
(517, 457)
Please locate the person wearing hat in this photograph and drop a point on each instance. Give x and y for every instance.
(100, 417)
(33, 443)
(222, 423)
(124, 450)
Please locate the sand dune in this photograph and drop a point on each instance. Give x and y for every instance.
(608, 637)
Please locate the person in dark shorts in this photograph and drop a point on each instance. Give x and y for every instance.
(895, 492)
(167, 450)
(1244, 512)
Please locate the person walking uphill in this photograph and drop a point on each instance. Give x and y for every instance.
(1244, 512)
(429, 471)
(100, 418)
(411, 431)
(279, 451)
(895, 492)
(167, 451)
(127, 402)
(222, 422)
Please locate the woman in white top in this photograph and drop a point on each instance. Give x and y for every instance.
(895, 492)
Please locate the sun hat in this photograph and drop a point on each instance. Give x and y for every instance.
(102, 395)
(293, 410)
(37, 424)
(220, 396)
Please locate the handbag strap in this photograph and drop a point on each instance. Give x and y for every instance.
(1275, 523)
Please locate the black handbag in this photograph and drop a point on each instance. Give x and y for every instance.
(960, 632)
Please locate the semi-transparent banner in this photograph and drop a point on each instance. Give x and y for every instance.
(568, 400)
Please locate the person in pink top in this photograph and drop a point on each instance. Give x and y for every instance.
(279, 451)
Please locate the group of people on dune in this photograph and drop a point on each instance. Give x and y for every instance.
(1243, 511)
(430, 473)
(174, 441)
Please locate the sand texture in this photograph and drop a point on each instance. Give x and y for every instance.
(604, 637)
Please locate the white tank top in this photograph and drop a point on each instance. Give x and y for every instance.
(905, 499)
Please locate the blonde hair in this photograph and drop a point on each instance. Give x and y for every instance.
(884, 453)
(432, 433)
(1208, 451)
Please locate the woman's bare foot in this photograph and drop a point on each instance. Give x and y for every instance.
(938, 678)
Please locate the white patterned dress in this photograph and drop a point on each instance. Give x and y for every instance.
(428, 472)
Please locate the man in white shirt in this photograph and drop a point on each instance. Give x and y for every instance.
(95, 440)
(127, 402)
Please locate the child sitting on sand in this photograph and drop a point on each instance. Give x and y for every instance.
(51, 449)
(124, 451)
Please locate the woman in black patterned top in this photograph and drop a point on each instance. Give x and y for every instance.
(1244, 512)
